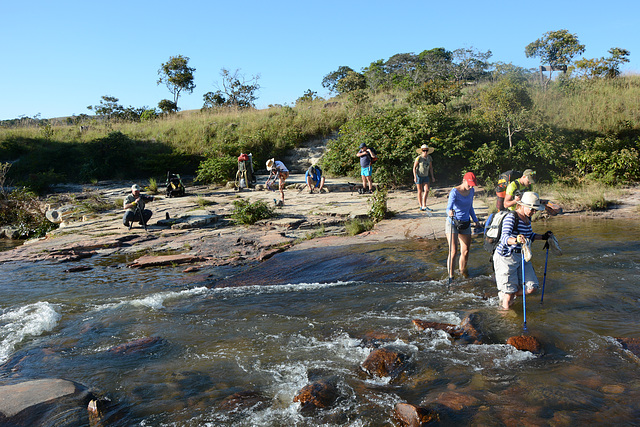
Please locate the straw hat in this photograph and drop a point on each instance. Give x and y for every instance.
(270, 163)
(425, 147)
(531, 200)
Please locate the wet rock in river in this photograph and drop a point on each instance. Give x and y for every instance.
(48, 401)
(526, 343)
(162, 260)
(317, 395)
(631, 344)
(78, 269)
(453, 330)
(470, 326)
(384, 362)
(244, 400)
(136, 346)
(414, 416)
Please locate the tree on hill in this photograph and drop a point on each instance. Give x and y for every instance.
(177, 76)
(235, 91)
(330, 81)
(603, 67)
(555, 48)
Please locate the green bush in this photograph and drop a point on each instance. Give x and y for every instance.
(22, 210)
(248, 213)
(357, 226)
(378, 201)
(217, 170)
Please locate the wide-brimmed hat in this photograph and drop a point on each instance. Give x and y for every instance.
(531, 200)
(426, 148)
(135, 187)
(470, 177)
(270, 163)
(531, 174)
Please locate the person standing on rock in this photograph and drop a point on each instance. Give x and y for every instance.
(314, 179)
(134, 205)
(277, 169)
(422, 168)
(507, 258)
(366, 155)
(457, 225)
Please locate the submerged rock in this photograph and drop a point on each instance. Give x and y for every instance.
(631, 344)
(383, 362)
(135, 346)
(453, 330)
(317, 395)
(244, 400)
(526, 343)
(414, 416)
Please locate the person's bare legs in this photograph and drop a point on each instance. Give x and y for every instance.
(452, 239)
(281, 188)
(465, 242)
(370, 182)
(425, 195)
(310, 184)
(420, 198)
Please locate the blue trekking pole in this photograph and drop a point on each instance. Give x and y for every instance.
(544, 278)
(524, 296)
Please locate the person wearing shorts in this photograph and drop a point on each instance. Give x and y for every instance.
(458, 226)
(279, 170)
(365, 156)
(422, 168)
(508, 261)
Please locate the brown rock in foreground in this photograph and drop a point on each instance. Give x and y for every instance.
(414, 416)
(526, 343)
(317, 395)
(631, 344)
(384, 362)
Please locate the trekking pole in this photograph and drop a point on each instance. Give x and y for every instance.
(450, 257)
(524, 295)
(142, 221)
(544, 278)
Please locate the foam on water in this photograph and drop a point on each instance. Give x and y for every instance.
(29, 320)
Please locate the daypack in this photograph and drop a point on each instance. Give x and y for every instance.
(504, 179)
(175, 188)
(374, 155)
(493, 229)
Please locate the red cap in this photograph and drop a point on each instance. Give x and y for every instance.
(470, 178)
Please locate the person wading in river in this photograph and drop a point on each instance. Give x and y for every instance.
(457, 225)
(507, 258)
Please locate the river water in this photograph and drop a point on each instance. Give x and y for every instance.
(305, 314)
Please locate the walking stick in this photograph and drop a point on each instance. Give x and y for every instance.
(524, 295)
(450, 258)
(544, 278)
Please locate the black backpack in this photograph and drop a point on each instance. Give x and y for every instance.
(505, 178)
(374, 155)
(493, 229)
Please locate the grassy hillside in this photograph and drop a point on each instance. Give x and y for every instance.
(571, 131)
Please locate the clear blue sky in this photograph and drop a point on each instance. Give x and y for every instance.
(58, 57)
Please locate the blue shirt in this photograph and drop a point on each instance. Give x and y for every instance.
(462, 205)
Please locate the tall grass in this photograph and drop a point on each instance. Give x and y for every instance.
(603, 105)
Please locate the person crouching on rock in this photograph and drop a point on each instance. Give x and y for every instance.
(508, 261)
(279, 170)
(314, 179)
(134, 205)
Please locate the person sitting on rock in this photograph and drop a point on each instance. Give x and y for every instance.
(134, 205)
(314, 179)
(277, 169)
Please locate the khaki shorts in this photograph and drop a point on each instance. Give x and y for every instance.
(509, 273)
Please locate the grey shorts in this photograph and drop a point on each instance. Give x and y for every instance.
(447, 228)
(509, 273)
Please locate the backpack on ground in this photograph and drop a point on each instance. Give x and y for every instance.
(493, 229)
(505, 179)
(175, 188)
